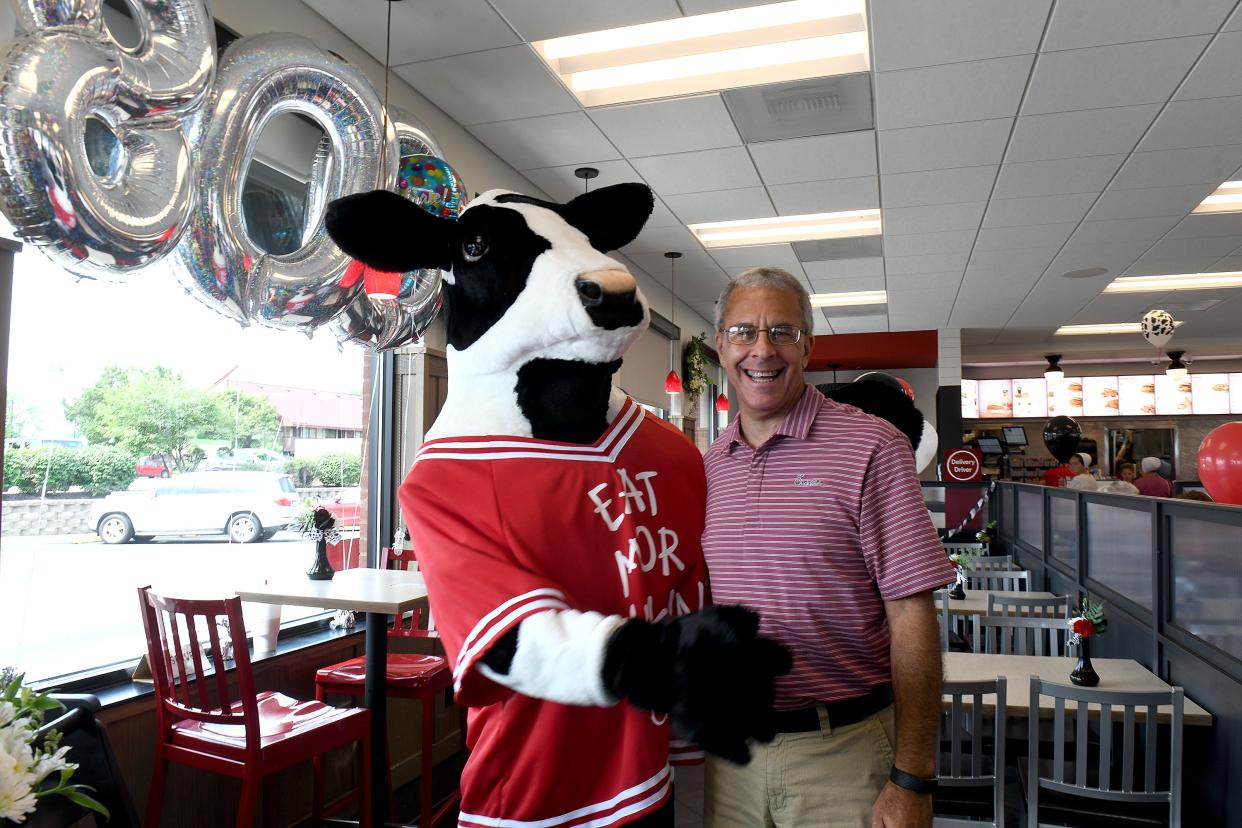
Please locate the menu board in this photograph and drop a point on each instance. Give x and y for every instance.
(1235, 393)
(995, 398)
(1210, 393)
(970, 399)
(1065, 397)
(1030, 397)
(1099, 396)
(1172, 397)
(1137, 396)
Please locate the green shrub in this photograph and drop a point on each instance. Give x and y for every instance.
(303, 470)
(329, 469)
(104, 469)
(97, 469)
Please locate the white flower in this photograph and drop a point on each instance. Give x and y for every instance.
(50, 763)
(17, 783)
(8, 712)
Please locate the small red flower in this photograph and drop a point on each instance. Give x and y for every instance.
(1084, 627)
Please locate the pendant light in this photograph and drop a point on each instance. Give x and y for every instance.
(586, 174)
(722, 410)
(1053, 372)
(379, 284)
(1177, 367)
(672, 383)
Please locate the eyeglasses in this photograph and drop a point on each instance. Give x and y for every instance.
(777, 334)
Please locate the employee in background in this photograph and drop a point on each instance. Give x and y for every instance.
(1126, 472)
(1061, 476)
(1151, 483)
(1083, 480)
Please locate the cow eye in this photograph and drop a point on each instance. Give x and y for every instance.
(474, 248)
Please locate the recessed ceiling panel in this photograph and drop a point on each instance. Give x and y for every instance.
(1209, 123)
(665, 127)
(852, 248)
(933, 218)
(540, 20)
(820, 106)
(547, 141)
(1171, 168)
(1017, 212)
(1219, 73)
(910, 33)
(1212, 224)
(952, 93)
(826, 196)
(937, 186)
(849, 155)
(697, 172)
(721, 205)
(421, 31)
(847, 269)
(1100, 22)
(1065, 176)
(948, 241)
(971, 144)
(736, 259)
(1047, 237)
(1074, 134)
(1149, 201)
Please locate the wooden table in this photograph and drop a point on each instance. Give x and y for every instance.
(379, 593)
(976, 600)
(1115, 674)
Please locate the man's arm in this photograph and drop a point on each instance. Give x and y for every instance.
(917, 675)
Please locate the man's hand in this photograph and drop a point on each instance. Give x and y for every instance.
(896, 807)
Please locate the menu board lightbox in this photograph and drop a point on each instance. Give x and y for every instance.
(1065, 397)
(1030, 397)
(1210, 393)
(1172, 397)
(1099, 396)
(970, 399)
(1137, 396)
(995, 398)
(1235, 393)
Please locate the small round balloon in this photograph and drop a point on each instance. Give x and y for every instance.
(929, 445)
(1220, 463)
(1157, 326)
(1062, 436)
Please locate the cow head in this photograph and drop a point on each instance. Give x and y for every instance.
(525, 279)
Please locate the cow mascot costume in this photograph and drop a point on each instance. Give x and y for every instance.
(557, 523)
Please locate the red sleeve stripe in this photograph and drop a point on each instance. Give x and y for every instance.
(496, 624)
(605, 444)
(627, 803)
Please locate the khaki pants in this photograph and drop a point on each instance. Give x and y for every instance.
(829, 778)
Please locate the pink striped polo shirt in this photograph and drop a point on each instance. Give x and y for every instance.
(815, 529)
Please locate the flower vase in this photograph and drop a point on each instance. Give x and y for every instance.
(1084, 674)
(958, 592)
(321, 570)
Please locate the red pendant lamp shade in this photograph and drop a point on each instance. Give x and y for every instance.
(672, 383)
(378, 284)
(722, 403)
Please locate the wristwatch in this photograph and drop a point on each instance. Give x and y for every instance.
(910, 782)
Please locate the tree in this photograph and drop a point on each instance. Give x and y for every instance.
(20, 418)
(252, 419)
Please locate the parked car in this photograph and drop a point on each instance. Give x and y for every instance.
(243, 506)
(346, 507)
(153, 466)
(245, 460)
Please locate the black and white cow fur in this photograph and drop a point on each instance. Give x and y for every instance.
(538, 318)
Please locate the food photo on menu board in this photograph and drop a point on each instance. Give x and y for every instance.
(970, 398)
(1065, 397)
(1210, 393)
(1100, 397)
(1137, 396)
(1030, 397)
(1173, 397)
(995, 398)
(1235, 393)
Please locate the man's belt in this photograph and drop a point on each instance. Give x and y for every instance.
(840, 713)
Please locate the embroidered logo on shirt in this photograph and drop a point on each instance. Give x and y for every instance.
(802, 480)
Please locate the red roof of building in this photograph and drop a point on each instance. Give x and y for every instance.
(308, 407)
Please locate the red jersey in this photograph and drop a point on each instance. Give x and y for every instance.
(1058, 476)
(506, 527)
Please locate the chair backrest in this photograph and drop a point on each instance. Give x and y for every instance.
(1015, 605)
(411, 624)
(975, 766)
(188, 669)
(1111, 708)
(992, 563)
(1021, 636)
(942, 596)
(1013, 580)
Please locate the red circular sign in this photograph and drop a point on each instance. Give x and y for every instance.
(962, 465)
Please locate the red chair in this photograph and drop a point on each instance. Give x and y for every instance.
(247, 735)
(409, 676)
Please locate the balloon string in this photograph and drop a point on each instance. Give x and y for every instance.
(387, 53)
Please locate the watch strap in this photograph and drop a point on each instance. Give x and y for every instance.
(910, 782)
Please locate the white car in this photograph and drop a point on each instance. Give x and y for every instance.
(244, 506)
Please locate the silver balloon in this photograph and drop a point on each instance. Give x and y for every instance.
(260, 78)
(95, 166)
(36, 15)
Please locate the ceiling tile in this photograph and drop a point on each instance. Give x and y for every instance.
(932, 218)
(1228, 264)
(948, 241)
(561, 184)
(947, 282)
(661, 216)
(1148, 266)
(845, 268)
(1219, 73)
(1075, 134)
(1183, 124)
(736, 259)
(996, 264)
(1206, 249)
(721, 205)
(1114, 257)
(1048, 237)
(1139, 231)
(539, 19)
(849, 155)
(926, 308)
(1016, 212)
(1079, 23)
(695, 172)
(914, 189)
(826, 196)
(547, 141)
(1110, 307)
(1168, 168)
(970, 144)
(422, 31)
(796, 109)
(495, 85)
(1064, 176)
(709, 6)
(910, 33)
(664, 127)
(657, 240)
(951, 93)
(853, 247)
(1210, 224)
(1131, 73)
(846, 284)
(1234, 24)
(1143, 202)
(930, 263)
(859, 324)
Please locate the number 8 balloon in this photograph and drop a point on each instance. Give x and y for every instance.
(68, 91)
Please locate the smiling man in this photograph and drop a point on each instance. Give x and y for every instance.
(815, 519)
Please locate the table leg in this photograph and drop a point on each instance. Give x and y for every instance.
(376, 700)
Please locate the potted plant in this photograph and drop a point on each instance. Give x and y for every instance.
(985, 534)
(962, 560)
(318, 524)
(1085, 624)
(694, 370)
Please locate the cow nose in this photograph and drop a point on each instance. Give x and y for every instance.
(610, 298)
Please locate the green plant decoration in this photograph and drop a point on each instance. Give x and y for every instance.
(695, 366)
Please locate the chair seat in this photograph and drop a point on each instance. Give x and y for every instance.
(281, 718)
(1057, 808)
(404, 670)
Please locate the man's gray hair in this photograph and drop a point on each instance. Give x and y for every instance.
(767, 277)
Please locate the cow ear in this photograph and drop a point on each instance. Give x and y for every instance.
(385, 231)
(611, 217)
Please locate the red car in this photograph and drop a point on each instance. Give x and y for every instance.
(347, 509)
(152, 467)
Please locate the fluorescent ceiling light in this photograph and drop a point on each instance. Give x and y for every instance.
(1226, 199)
(782, 229)
(1184, 281)
(844, 300)
(1109, 328)
(708, 52)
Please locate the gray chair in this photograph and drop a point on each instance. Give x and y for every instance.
(992, 563)
(1014, 580)
(1021, 636)
(971, 761)
(1074, 792)
(1013, 605)
(954, 629)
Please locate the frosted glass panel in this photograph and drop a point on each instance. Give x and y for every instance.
(1119, 550)
(1207, 582)
(1064, 522)
(1031, 518)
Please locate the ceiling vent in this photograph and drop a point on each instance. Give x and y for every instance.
(825, 250)
(796, 109)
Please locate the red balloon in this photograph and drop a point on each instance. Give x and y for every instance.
(1220, 463)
